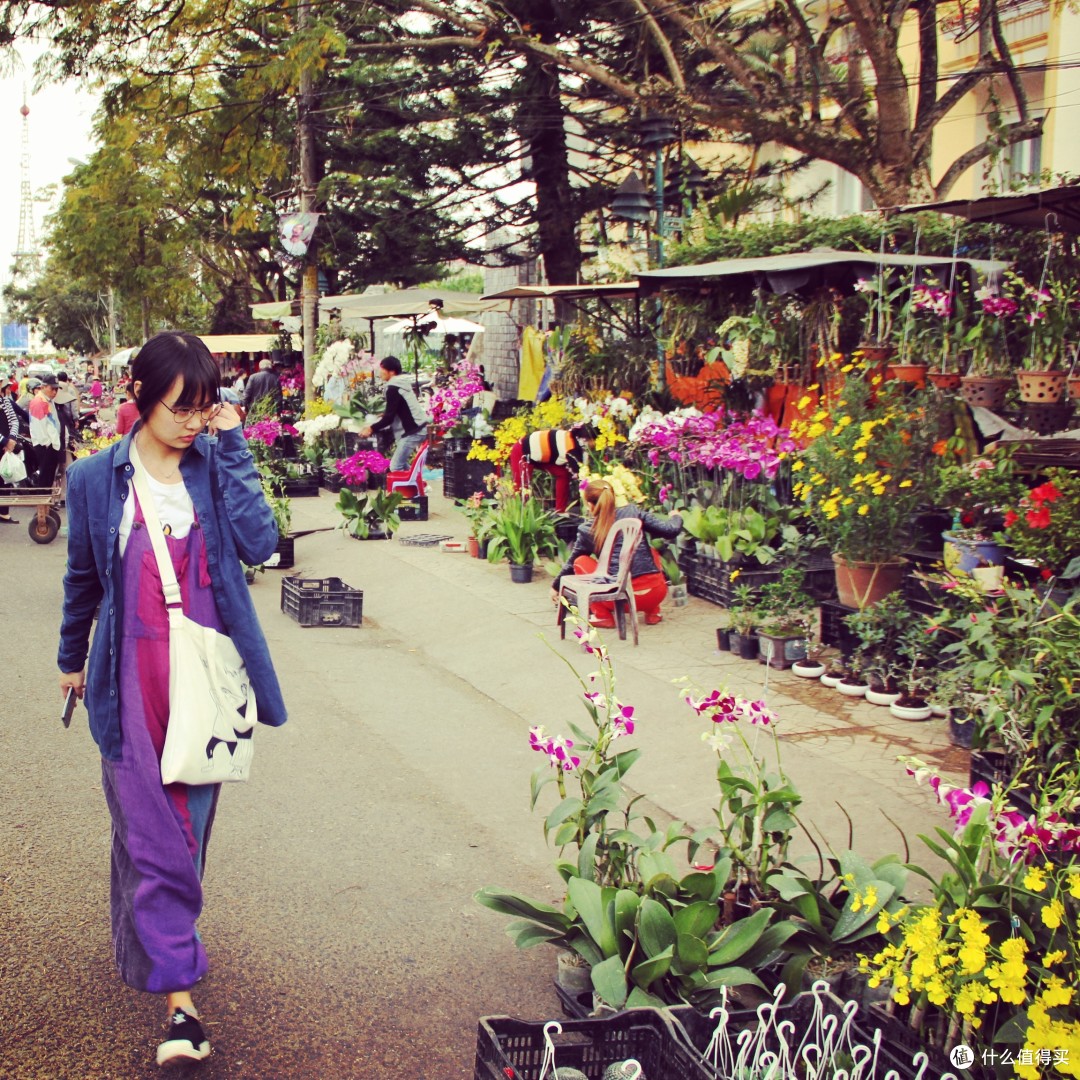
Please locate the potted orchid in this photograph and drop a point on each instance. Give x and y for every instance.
(1048, 315)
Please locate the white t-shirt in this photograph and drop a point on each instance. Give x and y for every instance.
(174, 507)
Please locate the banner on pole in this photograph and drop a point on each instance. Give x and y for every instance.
(295, 231)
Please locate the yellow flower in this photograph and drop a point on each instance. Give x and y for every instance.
(804, 402)
(860, 457)
(1035, 879)
(864, 510)
(815, 431)
(1052, 958)
(798, 466)
(847, 367)
(733, 575)
(1074, 884)
(904, 484)
(1051, 914)
(1055, 992)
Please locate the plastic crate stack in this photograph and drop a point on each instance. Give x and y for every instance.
(322, 601)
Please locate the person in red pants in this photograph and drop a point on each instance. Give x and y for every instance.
(648, 582)
(554, 451)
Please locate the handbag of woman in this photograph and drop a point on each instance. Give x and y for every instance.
(206, 493)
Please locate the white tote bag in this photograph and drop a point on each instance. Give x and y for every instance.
(212, 711)
(12, 469)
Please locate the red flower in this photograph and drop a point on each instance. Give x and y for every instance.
(1010, 519)
(1046, 573)
(1044, 493)
(1038, 519)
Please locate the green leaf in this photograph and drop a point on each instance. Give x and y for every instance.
(525, 934)
(586, 863)
(691, 954)
(508, 903)
(696, 919)
(590, 903)
(639, 999)
(656, 927)
(627, 904)
(561, 811)
(730, 976)
(704, 885)
(655, 967)
(609, 981)
(738, 938)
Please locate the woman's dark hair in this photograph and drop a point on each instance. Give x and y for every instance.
(391, 363)
(166, 357)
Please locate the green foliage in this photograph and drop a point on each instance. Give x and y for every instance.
(521, 530)
(369, 511)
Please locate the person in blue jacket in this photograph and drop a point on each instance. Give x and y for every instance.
(212, 510)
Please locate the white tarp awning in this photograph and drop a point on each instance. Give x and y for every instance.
(242, 343)
(434, 325)
(404, 303)
(123, 357)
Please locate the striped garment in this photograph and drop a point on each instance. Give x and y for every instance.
(551, 447)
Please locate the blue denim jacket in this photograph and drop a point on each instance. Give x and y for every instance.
(237, 523)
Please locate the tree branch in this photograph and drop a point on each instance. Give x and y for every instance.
(1014, 133)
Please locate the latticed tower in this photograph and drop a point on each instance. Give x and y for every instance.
(27, 260)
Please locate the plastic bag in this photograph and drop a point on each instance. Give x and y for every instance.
(12, 469)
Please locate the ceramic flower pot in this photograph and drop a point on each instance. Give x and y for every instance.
(830, 679)
(474, 547)
(1073, 384)
(915, 374)
(860, 584)
(880, 697)
(913, 711)
(1041, 386)
(944, 380)
(984, 391)
(808, 669)
(779, 651)
(964, 554)
(852, 689)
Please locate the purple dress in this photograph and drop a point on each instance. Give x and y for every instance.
(159, 833)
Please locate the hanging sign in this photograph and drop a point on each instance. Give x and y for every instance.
(295, 231)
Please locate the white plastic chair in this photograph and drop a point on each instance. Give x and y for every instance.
(581, 590)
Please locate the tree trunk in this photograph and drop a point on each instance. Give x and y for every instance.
(541, 124)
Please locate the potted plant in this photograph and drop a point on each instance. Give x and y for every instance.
(742, 618)
(369, 515)
(676, 579)
(985, 382)
(784, 614)
(879, 632)
(813, 665)
(913, 702)
(1048, 314)
(478, 511)
(521, 530)
(1043, 524)
(861, 476)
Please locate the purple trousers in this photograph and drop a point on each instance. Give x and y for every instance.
(159, 833)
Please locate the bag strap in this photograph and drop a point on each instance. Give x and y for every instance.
(169, 585)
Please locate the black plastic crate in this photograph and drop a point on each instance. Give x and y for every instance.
(304, 485)
(915, 586)
(510, 1049)
(414, 508)
(566, 527)
(463, 478)
(819, 578)
(322, 601)
(834, 631)
(331, 479)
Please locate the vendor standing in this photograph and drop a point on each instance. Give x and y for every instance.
(403, 414)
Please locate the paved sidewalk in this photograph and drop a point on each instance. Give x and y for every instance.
(466, 616)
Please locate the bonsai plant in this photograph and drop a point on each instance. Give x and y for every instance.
(743, 618)
(784, 614)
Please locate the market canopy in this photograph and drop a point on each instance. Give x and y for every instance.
(435, 325)
(1056, 209)
(404, 304)
(786, 273)
(614, 291)
(232, 343)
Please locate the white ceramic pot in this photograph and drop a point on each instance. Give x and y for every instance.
(852, 689)
(908, 712)
(807, 670)
(939, 710)
(829, 680)
(880, 697)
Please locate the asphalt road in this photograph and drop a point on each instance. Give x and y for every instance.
(339, 919)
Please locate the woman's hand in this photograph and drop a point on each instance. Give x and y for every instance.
(73, 680)
(227, 417)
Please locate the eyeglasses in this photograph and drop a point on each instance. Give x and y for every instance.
(185, 413)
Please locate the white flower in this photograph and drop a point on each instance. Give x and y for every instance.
(316, 426)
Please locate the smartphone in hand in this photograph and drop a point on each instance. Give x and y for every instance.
(69, 707)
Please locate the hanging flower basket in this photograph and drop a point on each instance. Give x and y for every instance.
(984, 391)
(1041, 386)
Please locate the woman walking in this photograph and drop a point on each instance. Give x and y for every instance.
(647, 579)
(208, 498)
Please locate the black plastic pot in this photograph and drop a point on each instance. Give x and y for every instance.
(961, 727)
(723, 639)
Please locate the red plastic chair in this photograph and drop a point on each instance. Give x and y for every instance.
(410, 481)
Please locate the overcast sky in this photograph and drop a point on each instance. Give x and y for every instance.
(60, 121)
